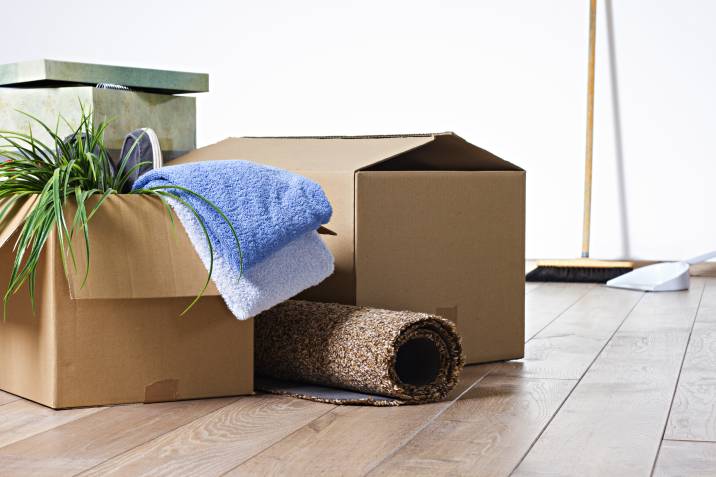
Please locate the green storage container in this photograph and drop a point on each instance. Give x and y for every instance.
(47, 88)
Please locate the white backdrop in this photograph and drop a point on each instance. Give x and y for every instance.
(507, 75)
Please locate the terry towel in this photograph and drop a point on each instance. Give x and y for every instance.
(275, 214)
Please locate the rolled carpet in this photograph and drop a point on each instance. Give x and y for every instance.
(355, 355)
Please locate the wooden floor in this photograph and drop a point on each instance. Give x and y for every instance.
(613, 383)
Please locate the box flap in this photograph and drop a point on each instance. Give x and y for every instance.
(438, 151)
(448, 152)
(14, 217)
(136, 253)
(335, 153)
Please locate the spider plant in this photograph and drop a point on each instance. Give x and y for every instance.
(73, 170)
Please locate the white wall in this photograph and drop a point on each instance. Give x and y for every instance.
(508, 75)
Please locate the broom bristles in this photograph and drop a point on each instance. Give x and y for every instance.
(578, 271)
(586, 263)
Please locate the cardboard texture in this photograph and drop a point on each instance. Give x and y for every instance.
(120, 339)
(426, 223)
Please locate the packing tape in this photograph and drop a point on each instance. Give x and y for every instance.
(164, 390)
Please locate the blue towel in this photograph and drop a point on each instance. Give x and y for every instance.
(275, 214)
(268, 207)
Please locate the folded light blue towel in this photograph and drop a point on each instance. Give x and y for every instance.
(275, 214)
(267, 206)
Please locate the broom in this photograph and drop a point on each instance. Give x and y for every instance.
(583, 269)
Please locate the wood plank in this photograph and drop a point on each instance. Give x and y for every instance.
(20, 419)
(218, 442)
(686, 459)
(546, 303)
(351, 440)
(90, 440)
(530, 286)
(693, 412)
(7, 397)
(613, 421)
(330, 446)
(705, 269)
(565, 348)
(574, 344)
(486, 432)
(707, 310)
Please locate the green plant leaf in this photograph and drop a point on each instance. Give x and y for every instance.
(216, 209)
(70, 171)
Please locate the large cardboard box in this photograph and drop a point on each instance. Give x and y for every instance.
(119, 338)
(424, 222)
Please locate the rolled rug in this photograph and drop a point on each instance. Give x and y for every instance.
(345, 354)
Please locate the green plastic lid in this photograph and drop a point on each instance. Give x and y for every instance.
(53, 74)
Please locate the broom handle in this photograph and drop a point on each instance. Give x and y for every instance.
(586, 223)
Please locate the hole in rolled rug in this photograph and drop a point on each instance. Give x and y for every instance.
(418, 362)
(342, 354)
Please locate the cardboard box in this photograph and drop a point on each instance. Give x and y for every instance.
(120, 339)
(425, 222)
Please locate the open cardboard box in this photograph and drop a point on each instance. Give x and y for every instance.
(119, 338)
(424, 222)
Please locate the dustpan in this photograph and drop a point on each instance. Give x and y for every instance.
(668, 276)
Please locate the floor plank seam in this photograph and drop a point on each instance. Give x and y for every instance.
(58, 425)
(84, 471)
(9, 402)
(13, 397)
(695, 441)
(678, 379)
(536, 378)
(534, 288)
(706, 285)
(277, 441)
(430, 421)
(576, 384)
(619, 351)
(580, 298)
